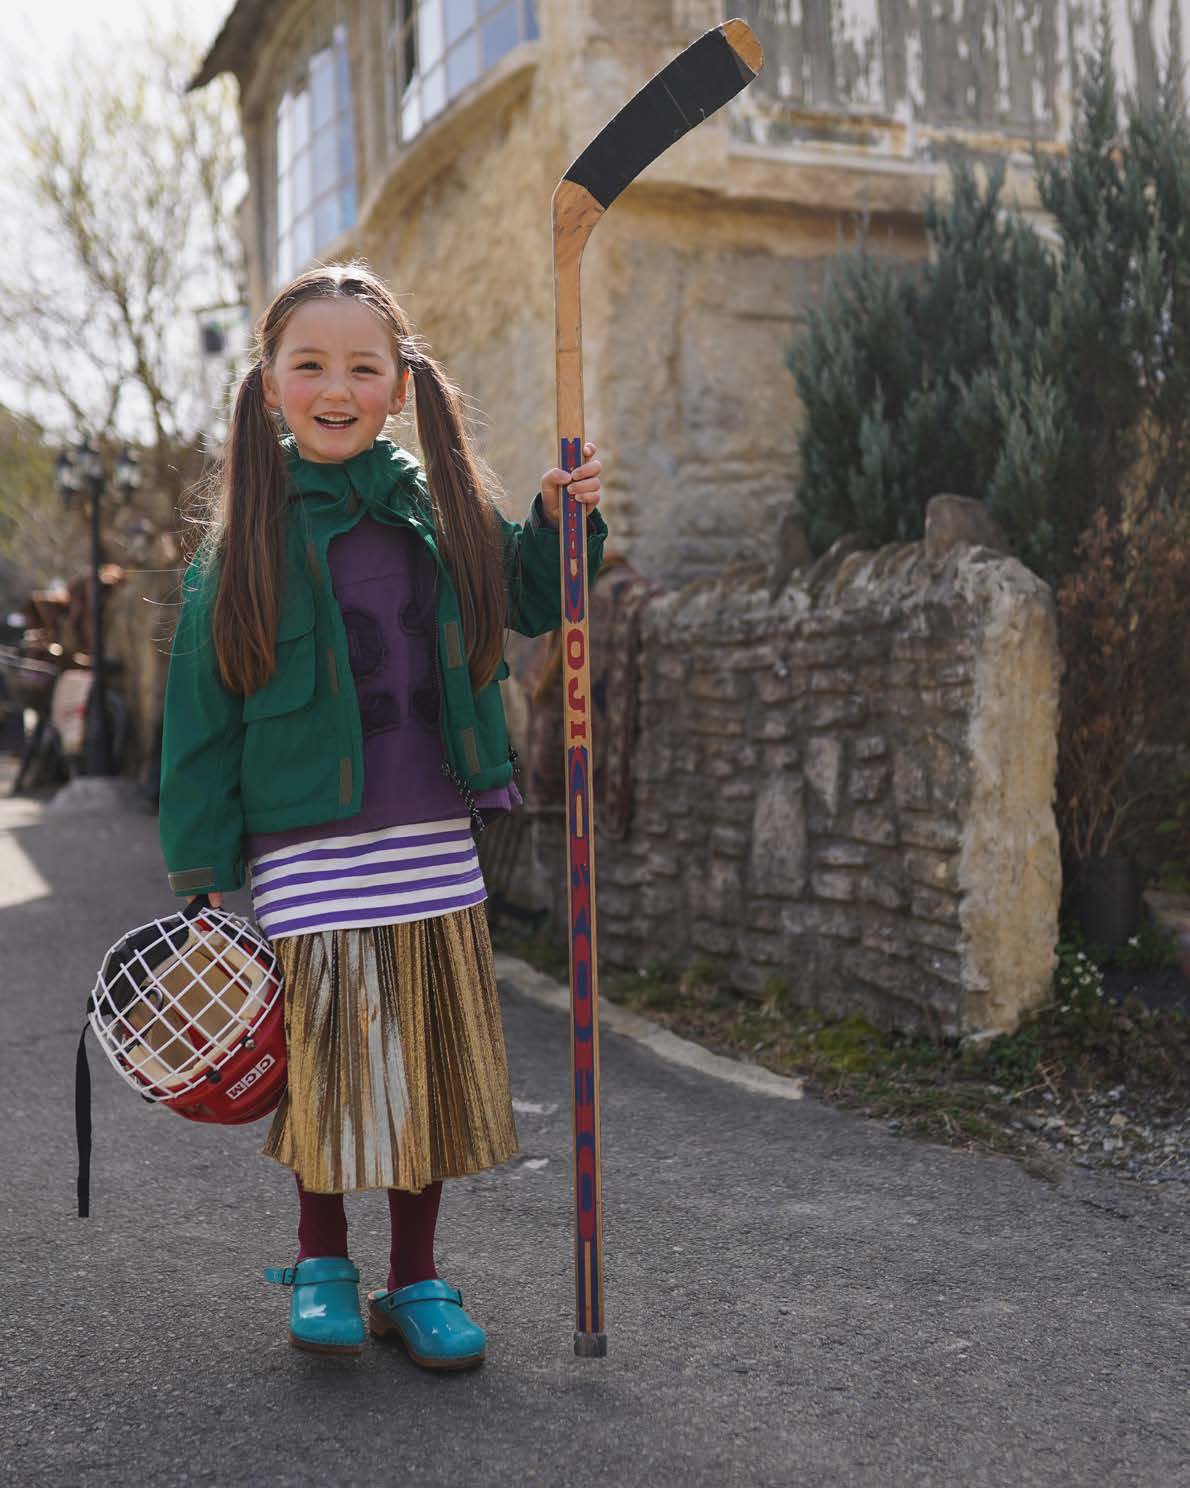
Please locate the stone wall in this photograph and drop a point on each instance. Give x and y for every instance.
(848, 787)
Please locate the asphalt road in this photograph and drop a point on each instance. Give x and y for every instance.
(794, 1296)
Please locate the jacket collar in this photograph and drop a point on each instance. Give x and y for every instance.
(386, 479)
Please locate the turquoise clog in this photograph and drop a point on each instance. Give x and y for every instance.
(429, 1320)
(324, 1314)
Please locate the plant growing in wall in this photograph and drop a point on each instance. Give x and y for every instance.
(1123, 615)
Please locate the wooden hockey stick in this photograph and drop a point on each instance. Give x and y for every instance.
(696, 83)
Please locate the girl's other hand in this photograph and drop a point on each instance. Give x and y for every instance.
(216, 900)
(583, 483)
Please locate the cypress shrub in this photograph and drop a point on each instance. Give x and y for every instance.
(1048, 378)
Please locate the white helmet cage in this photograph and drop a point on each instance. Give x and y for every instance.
(177, 998)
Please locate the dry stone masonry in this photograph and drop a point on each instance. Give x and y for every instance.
(847, 788)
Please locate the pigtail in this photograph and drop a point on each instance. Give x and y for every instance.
(249, 542)
(467, 526)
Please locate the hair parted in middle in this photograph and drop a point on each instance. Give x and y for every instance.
(246, 534)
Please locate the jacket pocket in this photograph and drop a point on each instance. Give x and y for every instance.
(292, 684)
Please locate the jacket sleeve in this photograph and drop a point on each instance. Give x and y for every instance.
(201, 821)
(532, 568)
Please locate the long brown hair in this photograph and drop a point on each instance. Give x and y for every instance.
(247, 530)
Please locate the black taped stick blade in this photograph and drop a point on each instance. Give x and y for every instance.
(708, 74)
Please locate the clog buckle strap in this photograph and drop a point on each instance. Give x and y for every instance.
(427, 1291)
(312, 1272)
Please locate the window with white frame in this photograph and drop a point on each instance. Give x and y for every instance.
(440, 47)
(315, 157)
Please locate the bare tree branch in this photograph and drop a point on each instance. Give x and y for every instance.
(130, 187)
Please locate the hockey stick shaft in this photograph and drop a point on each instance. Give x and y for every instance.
(696, 83)
(574, 210)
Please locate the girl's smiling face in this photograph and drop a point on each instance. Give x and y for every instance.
(334, 377)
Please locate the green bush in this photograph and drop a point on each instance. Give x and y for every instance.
(1047, 379)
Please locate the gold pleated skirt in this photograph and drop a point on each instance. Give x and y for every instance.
(397, 1070)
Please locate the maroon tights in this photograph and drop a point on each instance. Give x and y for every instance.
(322, 1230)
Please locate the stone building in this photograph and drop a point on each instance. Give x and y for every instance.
(429, 135)
(840, 780)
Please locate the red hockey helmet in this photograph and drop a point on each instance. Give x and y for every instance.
(190, 1012)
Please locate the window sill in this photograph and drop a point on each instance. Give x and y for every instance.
(868, 162)
(449, 132)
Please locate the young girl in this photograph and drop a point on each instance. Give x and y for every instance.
(333, 720)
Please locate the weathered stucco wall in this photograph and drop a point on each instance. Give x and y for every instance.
(694, 282)
(695, 309)
(1008, 67)
(849, 788)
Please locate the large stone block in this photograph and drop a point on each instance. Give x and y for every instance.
(778, 847)
(1009, 867)
(824, 763)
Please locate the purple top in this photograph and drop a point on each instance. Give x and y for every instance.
(384, 581)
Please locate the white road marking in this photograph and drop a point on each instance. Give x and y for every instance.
(20, 882)
(534, 1108)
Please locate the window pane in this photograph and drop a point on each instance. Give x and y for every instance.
(499, 35)
(342, 69)
(346, 150)
(284, 205)
(322, 90)
(299, 119)
(462, 65)
(303, 241)
(284, 134)
(433, 93)
(285, 257)
(429, 33)
(411, 113)
(325, 161)
(326, 220)
(346, 208)
(439, 48)
(460, 16)
(300, 184)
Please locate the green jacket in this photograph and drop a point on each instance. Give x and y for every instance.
(291, 753)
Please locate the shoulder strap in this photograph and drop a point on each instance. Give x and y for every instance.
(82, 1123)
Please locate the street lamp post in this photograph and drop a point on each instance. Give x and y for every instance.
(80, 471)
